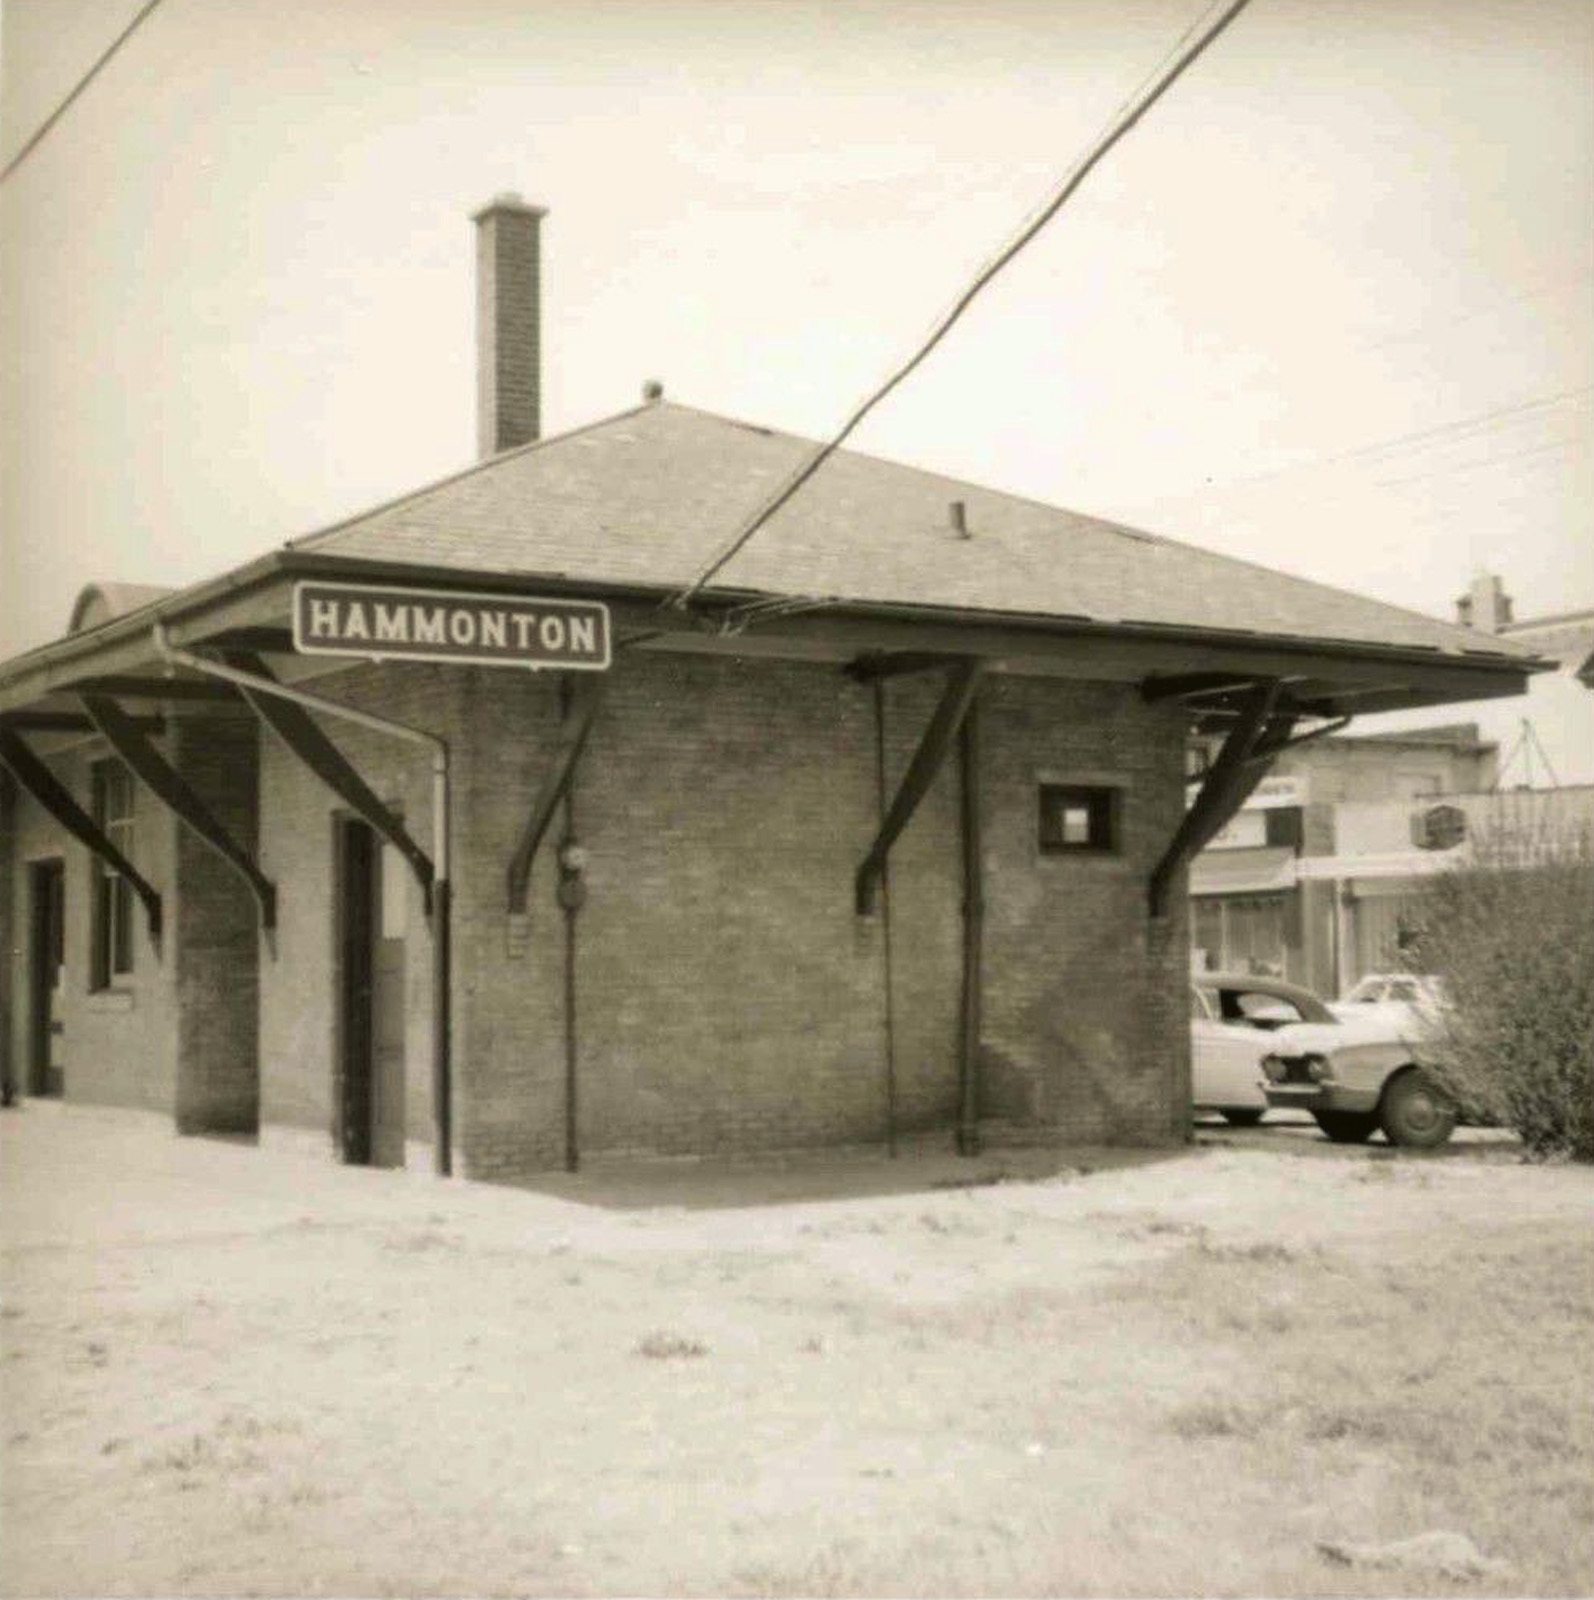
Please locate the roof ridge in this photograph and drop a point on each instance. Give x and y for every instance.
(304, 539)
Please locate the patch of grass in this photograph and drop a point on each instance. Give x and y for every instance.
(1180, 1230)
(663, 1346)
(1267, 1252)
(1358, 1424)
(1213, 1419)
(1489, 1430)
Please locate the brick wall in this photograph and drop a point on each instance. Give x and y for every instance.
(728, 997)
(298, 982)
(13, 1069)
(215, 937)
(119, 1047)
(1086, 1026)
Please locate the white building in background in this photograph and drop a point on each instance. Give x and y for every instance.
(1546, 737)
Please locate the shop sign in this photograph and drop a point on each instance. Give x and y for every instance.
(347, 619)
(1244, 831)
(1272, 792)
(1439, 828)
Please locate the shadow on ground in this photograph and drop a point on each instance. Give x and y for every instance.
(1294, 1133)
(807, 1177)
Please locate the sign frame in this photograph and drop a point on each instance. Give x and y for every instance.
(445, 654)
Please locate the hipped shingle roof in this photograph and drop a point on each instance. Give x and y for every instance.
(650, 496)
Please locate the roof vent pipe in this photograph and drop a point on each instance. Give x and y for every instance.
(508, 324)
(960, 521)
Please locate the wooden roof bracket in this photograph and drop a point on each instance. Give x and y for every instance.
(874, 665)
(305, 739)
(1238, 768)
(962, 682)
(157, 775)
(52, 794)
(1272, 748)
(586, 692)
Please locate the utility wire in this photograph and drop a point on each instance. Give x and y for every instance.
(1435, 435)
(1128, 116)
(77, 89)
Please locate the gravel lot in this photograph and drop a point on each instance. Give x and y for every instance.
(233, 1371)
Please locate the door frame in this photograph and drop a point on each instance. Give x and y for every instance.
(46, 957)
(356, 888)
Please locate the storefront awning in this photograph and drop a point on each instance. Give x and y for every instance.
(1262, 869)
(1385, 864)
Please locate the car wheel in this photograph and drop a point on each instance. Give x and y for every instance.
(1243, 1116)
(1347, 1127)
(1415, 1112)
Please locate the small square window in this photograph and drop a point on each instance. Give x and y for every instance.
(1076, 817)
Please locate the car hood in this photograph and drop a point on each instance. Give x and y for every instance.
(1321, 1038)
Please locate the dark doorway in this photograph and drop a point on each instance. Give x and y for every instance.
(46, 976)
(371, 904)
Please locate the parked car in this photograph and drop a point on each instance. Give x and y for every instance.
(1234, 1018)
(1405, 998)
(1359, 1075)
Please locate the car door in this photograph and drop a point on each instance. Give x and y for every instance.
(1225, 1057)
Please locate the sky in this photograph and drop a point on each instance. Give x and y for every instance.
(1329, 308)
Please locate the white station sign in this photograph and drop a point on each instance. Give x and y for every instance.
(370, 620)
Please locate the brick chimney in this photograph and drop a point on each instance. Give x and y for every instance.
(1485, 606)
(508, 324)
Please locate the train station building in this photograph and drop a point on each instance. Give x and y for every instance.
(479, 830)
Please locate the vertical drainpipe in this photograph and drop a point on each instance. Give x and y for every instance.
(572, 894)
(885, 919)
(968, 1134)
(442, 976)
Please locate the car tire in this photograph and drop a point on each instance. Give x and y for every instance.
(1415, 1113)
(1243, 1116)
(1347, 1127)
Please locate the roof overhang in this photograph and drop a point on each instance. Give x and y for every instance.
(1200, 668)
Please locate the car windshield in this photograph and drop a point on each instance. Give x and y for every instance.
(1366, 993)
(1247, 1005)
(1256, 1008)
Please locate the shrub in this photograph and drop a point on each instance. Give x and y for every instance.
(1510, 932)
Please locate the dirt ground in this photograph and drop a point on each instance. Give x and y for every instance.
(230, 1371)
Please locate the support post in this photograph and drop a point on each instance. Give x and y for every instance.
(968, 1139)
(962, 680)
(304, 738)
(586, 698)
(162, 780)
(34, 776)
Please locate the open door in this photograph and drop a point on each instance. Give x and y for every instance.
(371, 902)
(46, 976)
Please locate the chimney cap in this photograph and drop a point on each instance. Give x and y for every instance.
(509, 200)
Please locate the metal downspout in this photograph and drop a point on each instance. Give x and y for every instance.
(968, 1136)
(442, 1066)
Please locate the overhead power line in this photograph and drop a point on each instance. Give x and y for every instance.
(1129, 114)
(77, 89)
(1460, 430)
